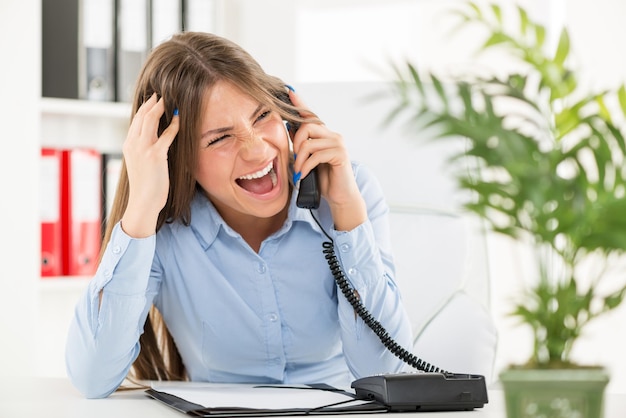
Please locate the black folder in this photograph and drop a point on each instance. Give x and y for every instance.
(348, 404)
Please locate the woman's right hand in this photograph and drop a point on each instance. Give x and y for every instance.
(145, 156)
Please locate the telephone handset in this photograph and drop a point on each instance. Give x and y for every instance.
(308, 193)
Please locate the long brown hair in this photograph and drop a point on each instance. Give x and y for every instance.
(182, 70)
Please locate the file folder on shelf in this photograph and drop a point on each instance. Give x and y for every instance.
(132, 46)
(97, 50)
(81, 210)
(78, 55)
(50, 212)
(59, 48)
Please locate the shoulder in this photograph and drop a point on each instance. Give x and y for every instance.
(363, 173)
(367, 180)
(360, 168)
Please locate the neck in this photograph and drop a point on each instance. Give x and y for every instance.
(255, 230)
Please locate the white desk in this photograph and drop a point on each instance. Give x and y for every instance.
(56, 398)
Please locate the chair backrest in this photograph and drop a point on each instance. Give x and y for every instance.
(441, 269)
(440, 251)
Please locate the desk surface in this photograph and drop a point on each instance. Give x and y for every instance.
(56, 398)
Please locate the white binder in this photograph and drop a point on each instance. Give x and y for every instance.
(132, 45)
(97, 50)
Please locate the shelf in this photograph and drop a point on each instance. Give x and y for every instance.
(69, 107)
(67, 123)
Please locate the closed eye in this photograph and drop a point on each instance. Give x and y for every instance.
(263, 115)
(216, 140)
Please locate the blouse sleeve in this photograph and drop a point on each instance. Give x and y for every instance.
(103, 338)
(367, 262)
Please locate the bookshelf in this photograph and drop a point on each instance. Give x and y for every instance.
(73, 124)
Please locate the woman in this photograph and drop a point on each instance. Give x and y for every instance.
(206, 230)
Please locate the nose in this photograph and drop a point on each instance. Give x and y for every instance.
(254, 147)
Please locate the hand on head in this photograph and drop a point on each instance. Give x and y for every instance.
(145, 156)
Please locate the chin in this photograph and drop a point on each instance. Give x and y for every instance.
(268, 209)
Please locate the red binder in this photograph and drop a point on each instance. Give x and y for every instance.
(50, 213)
(81, 210)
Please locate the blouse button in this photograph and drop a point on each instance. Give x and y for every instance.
(117, 249)
(273, 317)
(345, 248)
(352, 271)
(261, 268)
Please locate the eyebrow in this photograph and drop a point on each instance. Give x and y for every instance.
(228, 128)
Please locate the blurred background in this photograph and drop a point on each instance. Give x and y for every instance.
(307, 43)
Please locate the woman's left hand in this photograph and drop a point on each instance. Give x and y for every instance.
(317, 146)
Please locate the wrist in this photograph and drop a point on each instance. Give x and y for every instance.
(139, 224)
(347, 216)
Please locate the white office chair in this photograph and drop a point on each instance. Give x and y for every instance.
(440, 251)
(444, 281)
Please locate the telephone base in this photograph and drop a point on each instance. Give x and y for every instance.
(421, 391)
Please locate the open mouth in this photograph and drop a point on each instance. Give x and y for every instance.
(261, 182)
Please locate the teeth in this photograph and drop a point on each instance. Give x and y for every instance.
(274, 178)
(260, 173)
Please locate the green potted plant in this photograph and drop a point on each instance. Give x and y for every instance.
(543, 163)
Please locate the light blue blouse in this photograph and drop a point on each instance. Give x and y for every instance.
(239, 316)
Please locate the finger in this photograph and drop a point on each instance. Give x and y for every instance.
(304, 161)
(150, 125)
(310, 131)
(295, 98)
(322, 146)
(297, 101)
(137, 121)
(169, 134)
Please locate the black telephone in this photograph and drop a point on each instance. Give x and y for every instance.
(428, 389)
(424, 391)
(308, 193)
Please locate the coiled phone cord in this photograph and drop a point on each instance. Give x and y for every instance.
(364, 314)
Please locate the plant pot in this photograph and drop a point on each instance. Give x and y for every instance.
(548, 393)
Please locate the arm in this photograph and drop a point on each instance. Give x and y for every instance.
(365, 255)
(362, 245)
(103, 338)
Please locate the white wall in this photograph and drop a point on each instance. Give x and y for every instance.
(19, 178)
